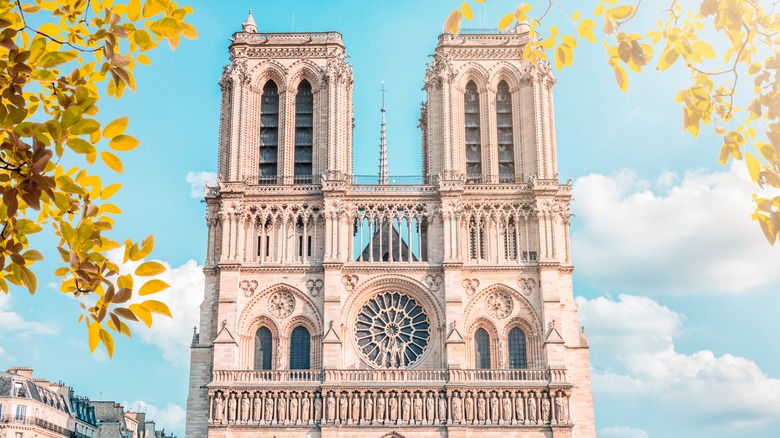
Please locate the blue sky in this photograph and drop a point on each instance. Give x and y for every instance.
(676, 286)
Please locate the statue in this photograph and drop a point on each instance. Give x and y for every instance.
(269, 408)
(392, 402)
(456, 408)
(305, 403)
(519, 411)
(281, 407)
(232, 406)
(560, 409)
(294, 409)
(257, 406)
(219, 408)
(494, 411)
(368, 411)
(469, 405)
(343, 408)
(442, 408)
(244, 408)
(331, 408)
(405, 408)
(507, 407)
(531, 408)
(418, 415)
(481, 408)
(430, 408)
(380, 408)
(545, 409)
(355, 408)
(317, 407)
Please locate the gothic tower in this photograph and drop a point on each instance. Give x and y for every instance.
(341, 306)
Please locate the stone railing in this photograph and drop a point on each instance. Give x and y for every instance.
(385, 375)
(257, 376)
(471, 376)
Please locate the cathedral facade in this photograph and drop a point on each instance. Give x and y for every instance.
(344, 306)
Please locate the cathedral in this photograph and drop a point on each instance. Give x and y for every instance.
(345, 306)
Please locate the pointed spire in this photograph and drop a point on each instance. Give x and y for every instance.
(249, 25)
(383, 178)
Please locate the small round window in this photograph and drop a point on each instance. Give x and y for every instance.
(392, 330)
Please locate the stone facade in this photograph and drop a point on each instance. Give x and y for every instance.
(335, 307)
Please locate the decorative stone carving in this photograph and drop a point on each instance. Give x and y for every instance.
(269, 408)
(317, 407)
(281, 304)
(248, 286)
(531, 400)
(294, 409)
(355, 408)
(257, 408)
(481, 408)
(368, 409)
(545, 409)
(232, 408)
(281, 408)
(392, 403)
(244, 408)
(406, 408)
(380, 408)
(314, 286)
(430, 408)
(343, 408)
(499, 304)
(392, 330)
(433, 281)
(527, 285)
(470, 285)
(219, 408)
(495, 413)
(506, 407)
(418, 408)
(331, 408)
(349, 282)
(305, 404)
(456, 408)
(519, 408)
(468, 406)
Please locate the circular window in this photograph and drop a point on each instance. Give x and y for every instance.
(392, 330)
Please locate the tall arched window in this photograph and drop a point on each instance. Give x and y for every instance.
(264, 348)
(304, 125)
(300, 349)
(482, 349)
(473, 136)
(517, 358)
(506, 149)
(269, 133)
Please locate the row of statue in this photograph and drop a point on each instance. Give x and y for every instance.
(389, 408)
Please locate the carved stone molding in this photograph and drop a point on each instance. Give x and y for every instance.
(433, 281)
(499, 304)
(349, 282)
(248, 286)
(470, 285)
(314, 286)
(527, 285)
(281, 304)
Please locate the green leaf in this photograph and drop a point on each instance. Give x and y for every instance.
(148, 269)
(85, 126)
(116, 127)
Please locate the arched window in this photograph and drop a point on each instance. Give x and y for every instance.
(482, 349)
(506, 148)
(304, 125)
(517, 357)
(264, 347)
(269, 133)
(300, 348)
(473, 136)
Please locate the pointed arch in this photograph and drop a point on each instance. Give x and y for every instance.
(472, 131)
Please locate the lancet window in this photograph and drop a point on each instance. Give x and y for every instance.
(506, 150)
(300, 349)
(517, 353)
(481, 349)
(476, 239)
(264, 349)
(289, 235)
(473, 135)
(392, 234)
(269, 133)
(304, 126)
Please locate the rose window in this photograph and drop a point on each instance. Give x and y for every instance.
(392, 330)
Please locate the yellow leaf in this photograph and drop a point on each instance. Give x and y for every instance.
(109, 191)
(134, 10)
(94, 336)
(703, 49)
(166, 27)
(452, 24)
(115, 128)
(141, 314)
(480, 1)
(143, 59)
(80, 146)
(53, 59)
(50, 29)
(108, 341)
(112, 161)
(148, 269)
(465, 9)
(152, 287)
(123, 143)
(753, 165)
(147, 245)
(621, 12)
(157, 307)
(505, 21)
(560, 58)
(620, 76)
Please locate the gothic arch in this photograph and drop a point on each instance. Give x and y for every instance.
(523, 310)
(268, 70)
(472, 72)
(392, 435)
(253, 309)
(305, 69)
(301, 321)
(490, 327)
(511, 74)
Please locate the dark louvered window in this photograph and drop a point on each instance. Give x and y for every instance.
(304, 125)
(517, 357)
(482, 350)
(269, 133)
(264, 347)
(300, 349)
(473, 136)
(506, 149)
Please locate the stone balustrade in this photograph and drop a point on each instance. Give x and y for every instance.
(265, 376)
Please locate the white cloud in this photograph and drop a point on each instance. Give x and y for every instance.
(692, 235)
(622, 432)
(13, 323)
(171, 417)
(634, 358)
(197, 181)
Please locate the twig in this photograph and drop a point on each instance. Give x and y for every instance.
(62, 43)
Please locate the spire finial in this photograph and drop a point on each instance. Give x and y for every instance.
(249, 25)
(383, 178)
